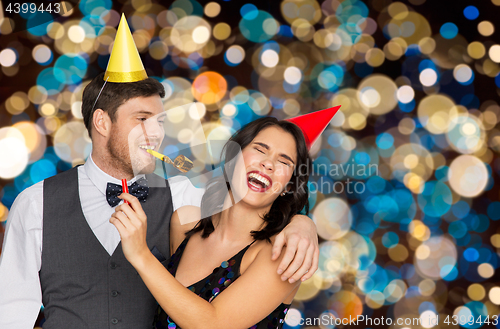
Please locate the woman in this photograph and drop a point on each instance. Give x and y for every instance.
(233, 244)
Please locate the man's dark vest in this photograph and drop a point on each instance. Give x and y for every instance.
(82, 286)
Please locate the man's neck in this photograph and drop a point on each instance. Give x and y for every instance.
(106, 165)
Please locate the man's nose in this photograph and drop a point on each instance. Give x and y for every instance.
(153, 128)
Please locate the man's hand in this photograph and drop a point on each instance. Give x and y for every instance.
(302, 252)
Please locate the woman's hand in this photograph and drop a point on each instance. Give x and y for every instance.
(131, 222)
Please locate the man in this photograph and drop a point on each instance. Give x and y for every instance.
(60, 248)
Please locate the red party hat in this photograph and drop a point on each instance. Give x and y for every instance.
(313, 124)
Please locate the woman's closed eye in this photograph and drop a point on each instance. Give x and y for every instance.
(285, 163)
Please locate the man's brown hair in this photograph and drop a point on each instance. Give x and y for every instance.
(113, 95)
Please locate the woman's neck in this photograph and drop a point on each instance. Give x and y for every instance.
(237, 221)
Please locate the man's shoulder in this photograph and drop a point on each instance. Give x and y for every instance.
(32, 192)
(35, 191)
(184, 188)
(183, 182)
(184, 193)
(30, 199)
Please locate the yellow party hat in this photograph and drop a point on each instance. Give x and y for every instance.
(124, 64)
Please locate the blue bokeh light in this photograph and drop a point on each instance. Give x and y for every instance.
(448, 30)
(471, 12)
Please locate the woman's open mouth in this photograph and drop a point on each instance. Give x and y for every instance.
(258, 181)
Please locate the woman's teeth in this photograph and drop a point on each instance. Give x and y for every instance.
(258, 177)
(147, 147)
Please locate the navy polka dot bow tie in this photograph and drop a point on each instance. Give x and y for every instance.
(139, 189)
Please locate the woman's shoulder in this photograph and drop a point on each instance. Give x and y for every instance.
(259, 249)
(182, 221)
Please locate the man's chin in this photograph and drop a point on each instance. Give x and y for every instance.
(144, 169)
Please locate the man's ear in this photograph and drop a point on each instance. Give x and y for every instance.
(101, 122)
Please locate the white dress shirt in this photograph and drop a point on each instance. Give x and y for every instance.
(21, 258)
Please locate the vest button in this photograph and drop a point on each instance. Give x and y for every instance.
(114, 293)
(114, 321)
(113, 265)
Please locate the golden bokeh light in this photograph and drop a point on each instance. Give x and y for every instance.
(72, 141)
(427, 45)
(398, 10)
(430, 254)
(35, 140)
(476, 292)
(13, 152)
(495, 240)
(435, 111)
(494, 295)
(307, 290)
(17, 103)
(466, 133)
(4, 212)
(222, 31)
(349, 100)
(373, 90)
(485, 28)
(476, 50)
(413, 158)
(190, 34)
(308, 10)
(468, 175)
(398, 253)
(158, 50)
(375, 57)
(333, 218)
(375, 299)
(494, 53)
(427, 287)
(405, 23)
(485, 270)
(212, 9)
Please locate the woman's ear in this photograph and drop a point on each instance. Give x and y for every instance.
(288, 187)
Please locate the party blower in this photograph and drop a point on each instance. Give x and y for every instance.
(181, 163)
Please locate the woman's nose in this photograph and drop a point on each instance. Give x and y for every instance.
(267, 164)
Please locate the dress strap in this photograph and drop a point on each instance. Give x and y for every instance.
(244, 250)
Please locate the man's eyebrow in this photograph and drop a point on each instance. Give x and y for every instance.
(149, 113)
(281, 154)
(143, 112)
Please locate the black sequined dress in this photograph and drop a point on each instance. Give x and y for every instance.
(211, 286)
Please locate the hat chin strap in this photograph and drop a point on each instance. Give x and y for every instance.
(100, 91)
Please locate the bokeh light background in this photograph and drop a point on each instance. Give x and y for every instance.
(418, 82)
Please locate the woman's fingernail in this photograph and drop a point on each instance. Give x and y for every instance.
(280, 271)
(291, 280)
